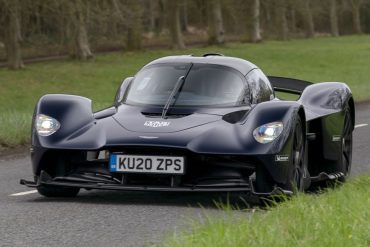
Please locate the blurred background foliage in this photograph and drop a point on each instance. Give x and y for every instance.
(35, 29)
(283, 37)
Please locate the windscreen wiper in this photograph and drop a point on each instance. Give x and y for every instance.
(175, 91)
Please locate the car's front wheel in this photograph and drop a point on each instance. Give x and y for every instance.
(345, 162)
(296, 175)
(54, 191)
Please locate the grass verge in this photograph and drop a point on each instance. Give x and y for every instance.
(323, 59)
(339, 217)
(15, 128)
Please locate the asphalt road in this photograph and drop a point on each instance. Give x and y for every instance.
(103, 218)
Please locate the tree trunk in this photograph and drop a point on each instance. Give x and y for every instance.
(293, 19)
(282, 19)
(308, 19)
(356, 17)
(13, 35)
(116, 18)
(152, 15)
(184, 16)
(256, 27)
(83, 46)
(161, 18)
(215, 23)
(134, 27)
(202, 6)
(174, 24)
(334, 18)
(80, 47)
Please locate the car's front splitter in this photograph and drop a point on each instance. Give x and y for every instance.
(45, 180)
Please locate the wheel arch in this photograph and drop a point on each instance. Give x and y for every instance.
(71, 111)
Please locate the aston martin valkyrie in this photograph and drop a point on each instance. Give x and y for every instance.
(188, 123)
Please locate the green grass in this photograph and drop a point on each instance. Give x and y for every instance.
(323, 59)
(15, 128)
(339, 217)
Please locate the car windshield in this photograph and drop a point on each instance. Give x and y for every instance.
(204, 85)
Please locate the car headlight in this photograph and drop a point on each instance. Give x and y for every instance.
(46, 125)
(268, 132)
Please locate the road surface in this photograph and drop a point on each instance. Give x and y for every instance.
(103, 218)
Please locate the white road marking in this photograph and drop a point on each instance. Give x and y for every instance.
(360, 125)
(24, 193)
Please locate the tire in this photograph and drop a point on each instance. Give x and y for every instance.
(58, 191)
(298, 161)
(345, 162)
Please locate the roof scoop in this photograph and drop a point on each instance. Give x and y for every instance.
(213, 54)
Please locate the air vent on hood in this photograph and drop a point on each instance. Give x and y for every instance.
(235, 116)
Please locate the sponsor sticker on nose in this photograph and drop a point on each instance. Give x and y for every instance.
(156, 124)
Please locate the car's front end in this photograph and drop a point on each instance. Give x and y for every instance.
(179, 126)
(188, 151)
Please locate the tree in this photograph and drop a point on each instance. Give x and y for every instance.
(161, 18)
(134, 25)
(184, 16)
(356, 17)
(215, 22)
(292, 14)
(334, 18)
(282, 19)
(256, 27)
(12, 33)
(76, 12)
(151, 15)
(116, 17)
(174, 24)
(307, 18)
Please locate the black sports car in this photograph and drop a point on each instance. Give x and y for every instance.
(187, 123)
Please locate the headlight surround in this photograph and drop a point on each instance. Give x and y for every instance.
(46, 125)
(268, 132)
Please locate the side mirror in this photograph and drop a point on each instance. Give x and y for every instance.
(121, 90)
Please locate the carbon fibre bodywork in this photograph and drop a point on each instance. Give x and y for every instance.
(221, 153)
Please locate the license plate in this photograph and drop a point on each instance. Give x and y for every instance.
(146, 164)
